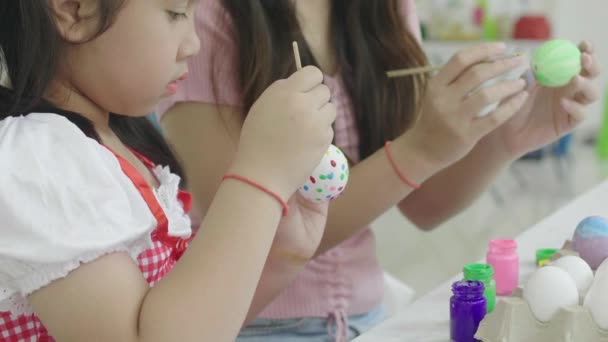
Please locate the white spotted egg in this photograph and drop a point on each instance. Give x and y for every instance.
(329, 178)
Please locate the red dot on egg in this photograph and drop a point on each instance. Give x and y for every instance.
(341, 188)
(333, 163)
(313, 180)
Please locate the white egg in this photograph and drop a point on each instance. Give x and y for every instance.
(578, 269)
(597, 297)
(515, 74)
(602, 270)
(549, 289)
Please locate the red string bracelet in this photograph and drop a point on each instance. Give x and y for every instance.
(396, 168)
(259, 187)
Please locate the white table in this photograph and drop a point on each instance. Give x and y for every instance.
(427, 319)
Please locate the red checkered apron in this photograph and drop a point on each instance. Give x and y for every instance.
(154, 262)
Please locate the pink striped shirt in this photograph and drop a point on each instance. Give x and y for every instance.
(346, 280)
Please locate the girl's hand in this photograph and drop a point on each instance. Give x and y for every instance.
(449, 125)
(299, 233)
(551, 113)
(287, 132)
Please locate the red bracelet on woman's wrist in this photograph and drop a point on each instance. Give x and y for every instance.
(396, 167)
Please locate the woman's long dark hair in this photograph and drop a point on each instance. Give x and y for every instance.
(31, 47)
(369, 37)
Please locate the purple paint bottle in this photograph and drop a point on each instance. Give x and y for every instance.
(467, 309)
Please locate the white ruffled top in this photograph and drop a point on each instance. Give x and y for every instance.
(64, 201)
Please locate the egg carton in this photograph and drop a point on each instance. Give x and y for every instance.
(512, 321)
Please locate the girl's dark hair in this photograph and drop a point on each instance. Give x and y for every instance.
(30, 48)
(369, 37)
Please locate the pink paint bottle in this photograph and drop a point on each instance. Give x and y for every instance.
(503, 257)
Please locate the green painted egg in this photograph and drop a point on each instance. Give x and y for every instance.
(556, 62)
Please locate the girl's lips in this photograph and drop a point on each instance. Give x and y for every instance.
(172, 88)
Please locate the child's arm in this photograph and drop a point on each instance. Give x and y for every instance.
(210, 125)
(204, 298)
(191, 127)
(67, 203)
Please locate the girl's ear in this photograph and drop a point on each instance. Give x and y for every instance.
(76, 20)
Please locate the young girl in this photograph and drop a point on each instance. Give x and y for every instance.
(437, 139)
(94, 225)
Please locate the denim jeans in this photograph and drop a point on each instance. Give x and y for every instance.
(307, 329)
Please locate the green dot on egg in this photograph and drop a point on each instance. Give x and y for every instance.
(319, 190)
(556, 62)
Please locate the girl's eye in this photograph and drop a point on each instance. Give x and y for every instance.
(174, 16)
